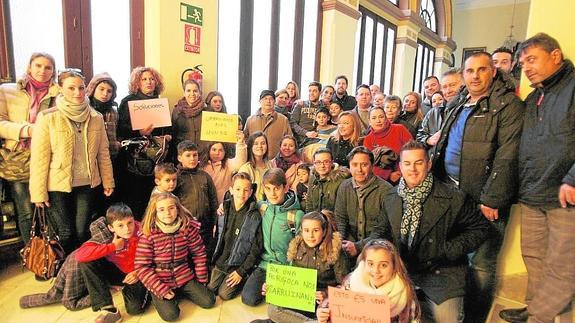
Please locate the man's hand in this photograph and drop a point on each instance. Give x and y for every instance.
(118, 242)
(489, 213)
(131, 278)
(233, 279)
(322, 314)
(566, 195)
(349, 247)
(42, 204)
(108, 191)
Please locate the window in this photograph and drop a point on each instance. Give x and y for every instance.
(427, 13)
(82, 34)
(423, 64)
(277, 43)
(375, 43)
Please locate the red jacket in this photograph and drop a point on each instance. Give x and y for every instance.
(123, 259)
(393, 137)
(162, 259)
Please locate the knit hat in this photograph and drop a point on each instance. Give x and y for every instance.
(266, 93)
(99, 78)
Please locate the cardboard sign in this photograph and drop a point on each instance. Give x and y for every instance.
(220, 127)
(291, 287)
(346, 306)
(152, 111)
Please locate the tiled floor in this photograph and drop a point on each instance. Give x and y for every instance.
(15, 282)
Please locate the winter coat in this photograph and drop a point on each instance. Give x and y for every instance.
(188, 128)
(257, 176)
(69, 287)
(547, 150)
(248, 246)
(490, 144)
(162, 259)
(346, 211)
(410, 121)
(450, 227)
(348, 102)
(274, 126)
(53, 152)
(321, 193)
(431, 124)
(124, 130)
(276, 232)
(302, 119)
(330, 264)
(15, 110)
(339, 150)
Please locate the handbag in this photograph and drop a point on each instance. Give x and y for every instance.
(144, 153)
(43, 255)
(15, 164)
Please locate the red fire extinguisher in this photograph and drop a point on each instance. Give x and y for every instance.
(194, 73)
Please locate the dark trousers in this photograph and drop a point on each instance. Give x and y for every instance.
(70, 216)
(24, 208)
(252, 291)
(99, 275)
(169, 310)
(218, 284)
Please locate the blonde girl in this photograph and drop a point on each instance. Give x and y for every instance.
(380, 271)
(169, 237)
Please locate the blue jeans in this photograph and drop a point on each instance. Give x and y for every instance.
(70, 215)
(24, 208)
(252, 292)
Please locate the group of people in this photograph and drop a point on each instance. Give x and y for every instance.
(407, 198)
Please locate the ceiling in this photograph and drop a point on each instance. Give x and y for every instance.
(474, 4)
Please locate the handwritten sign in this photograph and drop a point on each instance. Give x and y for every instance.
(219, 127)
(154, 112)
(348, 307)
(291, 287)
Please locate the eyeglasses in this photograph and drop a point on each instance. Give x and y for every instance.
(324, 162)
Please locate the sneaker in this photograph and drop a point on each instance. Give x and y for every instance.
(109, 317)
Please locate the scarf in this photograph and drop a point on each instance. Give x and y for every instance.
(413, 199)
(286, 162)
(395, 288)
(102, 107)
(190, 110)
(169, 228)
(76, 112)
(37, 91)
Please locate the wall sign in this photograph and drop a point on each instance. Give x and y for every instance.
(191, 14)
(192, 37)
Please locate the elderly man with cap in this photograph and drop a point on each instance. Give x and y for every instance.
(274, 125)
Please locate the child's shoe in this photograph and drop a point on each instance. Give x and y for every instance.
(109, 316)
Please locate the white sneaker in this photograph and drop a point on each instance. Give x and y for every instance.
(109, 317)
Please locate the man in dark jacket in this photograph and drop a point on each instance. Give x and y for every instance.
(433, 225)
(340, 95)
(359, 202)
(324, 181)
(478, 153)
(547, 181)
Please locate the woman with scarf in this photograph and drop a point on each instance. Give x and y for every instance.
(288, 159)
(71, 157)
(187, 116)
(20, 104)
(135, 189)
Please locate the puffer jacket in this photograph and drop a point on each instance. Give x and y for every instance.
(488, 169)
(331, 266)
(15, 110)
(547, 150)
(276, 231)
(321, 192)
(346, 211)
(162, 259)
(53, 152)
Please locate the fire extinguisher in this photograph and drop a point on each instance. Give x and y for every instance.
(194, 73)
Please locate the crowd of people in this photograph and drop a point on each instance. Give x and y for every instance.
(405, 197)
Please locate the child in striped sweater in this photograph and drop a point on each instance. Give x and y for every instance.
(169, 236)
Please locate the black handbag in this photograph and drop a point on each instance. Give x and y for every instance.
(144, 153)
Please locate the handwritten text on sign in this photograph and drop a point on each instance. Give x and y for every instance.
(219, 127)
(291, 287)
(144, 113)
(348, 307)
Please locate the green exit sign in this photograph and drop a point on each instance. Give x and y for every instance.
(191, 14)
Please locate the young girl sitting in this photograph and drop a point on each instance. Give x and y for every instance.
(169, 236)
(288, 159)
(316, 246)
(380, 271)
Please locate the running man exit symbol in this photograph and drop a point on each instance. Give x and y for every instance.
(191, 14)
